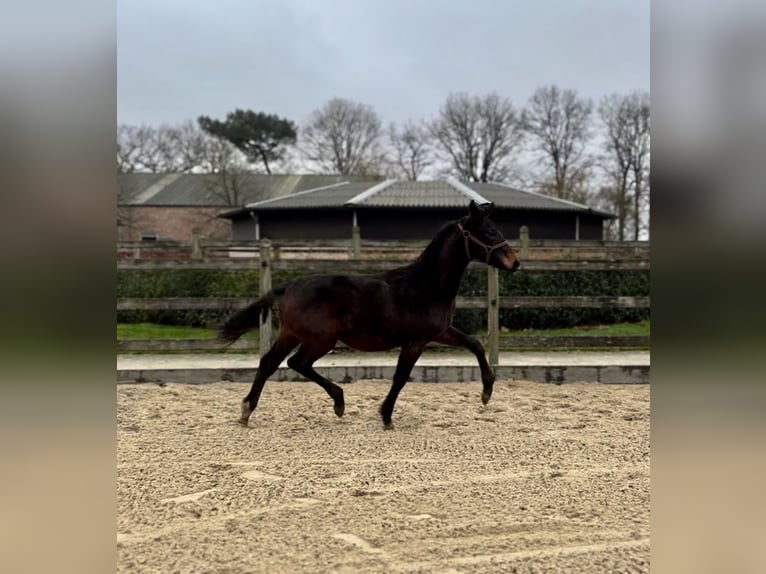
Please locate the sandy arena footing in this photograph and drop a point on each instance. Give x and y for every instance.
(544, 478)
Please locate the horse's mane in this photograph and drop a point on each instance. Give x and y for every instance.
(428, 258)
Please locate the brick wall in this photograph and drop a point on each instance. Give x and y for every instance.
(174, 223)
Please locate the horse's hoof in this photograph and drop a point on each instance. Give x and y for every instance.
(243, 422)
(388, 426)
(244, 416)
(339, 410)
(485, 398)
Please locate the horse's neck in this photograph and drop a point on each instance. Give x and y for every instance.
(444, 272)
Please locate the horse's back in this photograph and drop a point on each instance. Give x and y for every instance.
(334, 301)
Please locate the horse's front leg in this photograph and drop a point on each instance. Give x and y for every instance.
(456, 338)
(407, 359)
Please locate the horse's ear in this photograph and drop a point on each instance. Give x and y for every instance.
(479, 212)
(475, 211)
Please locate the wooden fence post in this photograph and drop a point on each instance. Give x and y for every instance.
(524, 236)
(356, 242)
(265, 276)
(493, 315)
(196, 251)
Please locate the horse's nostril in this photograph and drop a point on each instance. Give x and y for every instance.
(516, 265)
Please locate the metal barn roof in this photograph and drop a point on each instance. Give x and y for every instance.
(192, 189)
(438, 194)
(412, 194)
(506, 196)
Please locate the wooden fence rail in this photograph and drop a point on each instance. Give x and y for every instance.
(364, 266)
(208, 246)
(511, 302)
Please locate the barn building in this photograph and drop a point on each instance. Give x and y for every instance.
(173, 206)
(400, 210)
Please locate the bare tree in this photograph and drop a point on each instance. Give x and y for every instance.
(230, 173)
(167, 148)
(626, 162)
(617, 164)
(477, 135)
(186, 146)
(558, 125)
(343, 137)
(412, 149)
(136, 149)
(640, 153)
(609, 199)
(579, 185)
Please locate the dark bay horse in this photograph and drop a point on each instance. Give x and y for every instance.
(406, 307)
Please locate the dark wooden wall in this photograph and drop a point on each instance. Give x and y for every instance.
(396, 224)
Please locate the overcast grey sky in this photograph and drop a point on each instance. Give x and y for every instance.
(178, 59)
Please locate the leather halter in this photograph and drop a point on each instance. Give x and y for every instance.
(488, 248)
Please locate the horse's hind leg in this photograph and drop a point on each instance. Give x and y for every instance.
(268, 364)
(456, 338)
(301, 362)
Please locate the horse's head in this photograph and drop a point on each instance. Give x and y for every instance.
(483, 240)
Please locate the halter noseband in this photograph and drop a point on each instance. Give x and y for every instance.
(488, 248)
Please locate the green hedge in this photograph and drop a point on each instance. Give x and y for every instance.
(210, 283)
(188, 283)
(555, 283)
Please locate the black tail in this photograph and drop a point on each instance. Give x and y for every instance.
(247, 319)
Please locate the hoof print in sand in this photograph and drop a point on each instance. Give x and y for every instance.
(358, 542)
(258, 475)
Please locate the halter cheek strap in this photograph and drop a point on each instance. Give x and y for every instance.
(468, 236)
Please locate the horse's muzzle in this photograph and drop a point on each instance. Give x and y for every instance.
(509, 262)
